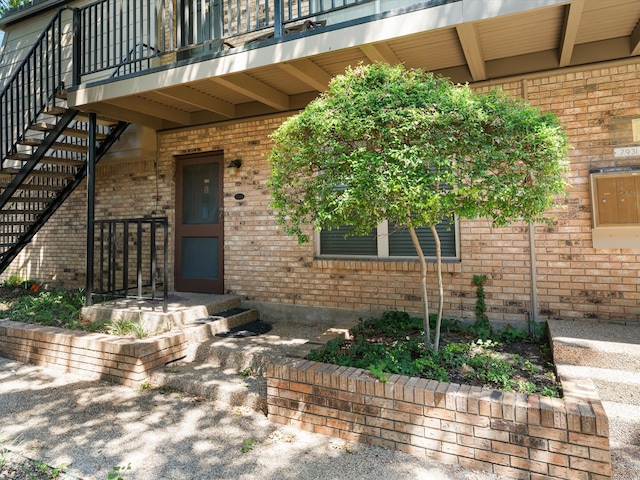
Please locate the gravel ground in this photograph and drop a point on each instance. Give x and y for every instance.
(87, 428)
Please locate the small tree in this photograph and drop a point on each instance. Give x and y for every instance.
(387, 143)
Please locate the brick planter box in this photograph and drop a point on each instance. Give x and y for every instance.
(515, 435)
(95, 356)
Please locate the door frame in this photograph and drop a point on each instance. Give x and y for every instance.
(214, 286)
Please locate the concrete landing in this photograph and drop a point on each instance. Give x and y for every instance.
(183, 308)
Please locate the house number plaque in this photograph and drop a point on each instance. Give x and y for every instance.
(626, 152)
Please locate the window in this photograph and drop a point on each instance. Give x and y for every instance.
(388, 242)
(616, 209)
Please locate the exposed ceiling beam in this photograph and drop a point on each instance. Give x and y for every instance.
(380, 52)
(470, 41)
(255, 89)
(308, 72)
(570, 31)
(153, 109)
(635, 40)
(198, 99)
(128, 115)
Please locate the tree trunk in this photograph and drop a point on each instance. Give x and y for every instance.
(423, 286)
(436, 237)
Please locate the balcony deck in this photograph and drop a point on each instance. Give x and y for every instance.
(466, 40)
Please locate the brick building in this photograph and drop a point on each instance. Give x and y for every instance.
(202, 100)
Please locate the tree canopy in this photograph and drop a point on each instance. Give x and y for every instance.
(403, 145)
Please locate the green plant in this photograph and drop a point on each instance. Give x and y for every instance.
(248, 444)
(482, 326)
(3, 453)
(511, 334)
(126, 328)
(146, 385)
(13, 281)
(247, 372)
(377, 372)
(54, 308)
(117, 472)
(537, 330)
(391, 345)
(47, 470)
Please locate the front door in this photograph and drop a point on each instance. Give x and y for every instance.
(199, 224)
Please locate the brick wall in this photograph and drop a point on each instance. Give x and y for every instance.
(262, 264)
(127, 361)
(518, 436)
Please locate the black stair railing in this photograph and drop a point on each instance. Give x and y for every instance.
(33, 85)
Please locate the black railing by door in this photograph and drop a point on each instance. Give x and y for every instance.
(131, 259)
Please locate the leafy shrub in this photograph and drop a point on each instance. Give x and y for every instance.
(59, 308)
(393, 344)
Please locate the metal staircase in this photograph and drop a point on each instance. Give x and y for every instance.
(44, 145)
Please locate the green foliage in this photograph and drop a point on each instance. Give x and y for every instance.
(58, 308)
(247, 445)
(538, 330)
(6, 5)
(388, 143)
(118, 471)
(126, 328)
(510, 335)
(482, 325)
(391, 345)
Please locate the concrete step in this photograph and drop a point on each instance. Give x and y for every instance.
(201, 331)
(286, 339)
(226, 386)
(608, 346)
(620, 386)
(183, 309)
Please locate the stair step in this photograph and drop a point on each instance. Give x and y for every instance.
(610, 346)
(68, 132)
(39, 173)
(35, 188)
(613, 385)
(256, 352)
(68, 147)
(24, 157)
(81, 117)
(210, 382)
(12, 224)
(22, 211)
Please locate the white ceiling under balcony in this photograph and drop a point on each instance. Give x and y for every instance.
(469, 41)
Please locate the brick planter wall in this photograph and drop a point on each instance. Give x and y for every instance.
(515, 435)
(95, 356)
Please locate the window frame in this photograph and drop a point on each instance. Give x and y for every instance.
(382, 238)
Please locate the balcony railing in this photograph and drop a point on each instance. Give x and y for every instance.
(125, 36)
